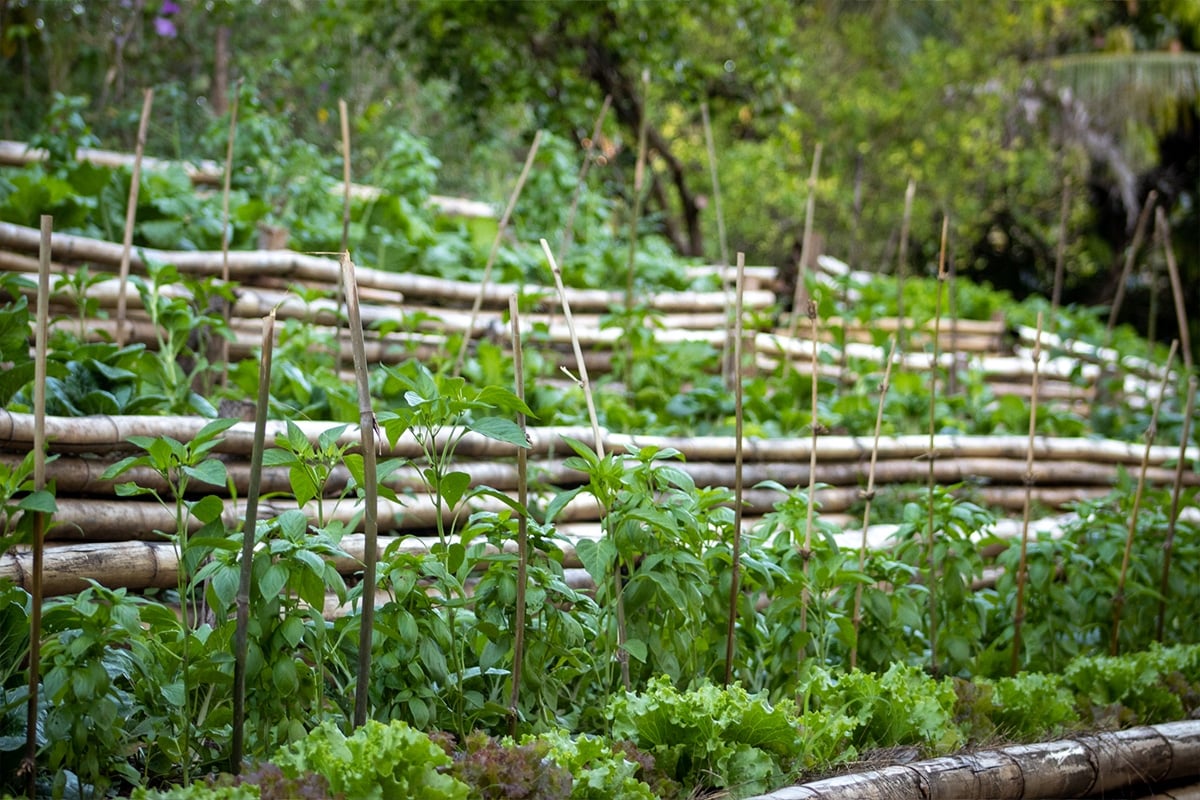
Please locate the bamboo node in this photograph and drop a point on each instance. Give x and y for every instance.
(812, 309)
(865, 494)
(1029, 478)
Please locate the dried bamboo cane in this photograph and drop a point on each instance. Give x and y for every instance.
(933, 368)
(249, 531)
(1181, 318)
(805, 243)
(29, 764)
(581, 180)
(1060, 248)
(868, 496)
(902, 261)
(367, 427)
(485, 281)
(639, 180)
(226, 188)
(1164, 587)
(806, 554)
(735, 572)
(522, 526)
(727, 367)
(1130, 255)
(1151, 431)
(131, 213)
(340, 291)
(1019, 614)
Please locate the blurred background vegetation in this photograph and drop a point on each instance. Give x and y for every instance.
(1032, 124)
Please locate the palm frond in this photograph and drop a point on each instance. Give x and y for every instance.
(1150, 88)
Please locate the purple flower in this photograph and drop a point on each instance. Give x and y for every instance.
(169, 7)
(165, 28)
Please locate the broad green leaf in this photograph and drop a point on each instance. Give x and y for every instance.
(453, 486)
(635, 648)
(41, 500)
(210, 471)
(501, 430)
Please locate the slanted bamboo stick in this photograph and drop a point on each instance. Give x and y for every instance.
(131, 212)
(1164, 588)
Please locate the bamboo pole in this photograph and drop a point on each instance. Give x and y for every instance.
(1164, 588)
(1151, 431)
(806, 554)
(367, 427)
(249, 534)
(738, 486)
(1060, 247)
(581, 180)
(1138, 233)
(522, 526)
(868, 496)
(131, 212)
(805, 243)
(1181, 318)
(1019, 614)
(932, 567)
(485, 281)
(902, 261)
(639, 178)
(226, 187)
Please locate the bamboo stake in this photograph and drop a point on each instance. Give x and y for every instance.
(1151, 431)
(735, 573)
(806, 242)
(1138, 233)
(226, 189)
(933, 368)
(727, 367)
(1019, 615)
(522, 525)
(491, 259)
(367, 427)
(868, 496)
(581, 180)
(902, 262)
(1169, 543)
(1181, 318)
(131, 213)
(639, 179)
(339, 292)
(29, 764)
(249, 534)
(1060, 249)
(806, 554)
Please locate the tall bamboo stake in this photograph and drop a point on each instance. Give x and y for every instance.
(902, 261)
(933, 368)
(868, 496)
(522, 525)
(131, 214)
(367, 425)
(340, 297)
(1164, 588)
(29, 764)
(1060, 249)
(727, 368)
(1151, 431)
(639, 180)
(735, 571)
(491, 259)
(1019, 615)
(806, 555)
(226, 309)
(581, 180)
(805, 243)
(1138, 233)
(249, 534)
(1181, 318)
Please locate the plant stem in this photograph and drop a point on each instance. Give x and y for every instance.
(1169, 542)
(1019, 614)
(805, 243)
(370, 491)
(491, 259)
(1181, 318)
(1151, 431)
(522, 524)
(868, 496)
(735, 572)
(131, 215)
(639, 178)
(249, 534)
(29, 765)
(933, 369)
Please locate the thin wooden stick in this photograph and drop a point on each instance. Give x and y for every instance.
(1164, 588)
(1019, 614)
(29, 764)
(1181, 318)
(367, 427)
(1060, 249)
(522, 526)
(933, 368)
(344, 113)
(728, 370)
(806, 554)
(226, 308)
(868, 496)
(581, 180)
(902, 261)
(639, 180)
(1151, 431)
(491, 259)
(249, 534)
(805, 243)
(738, 488)
(131, 214)
(1138, 233)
